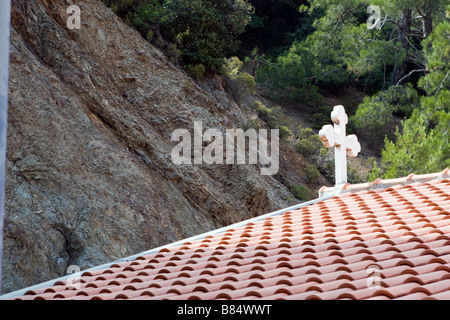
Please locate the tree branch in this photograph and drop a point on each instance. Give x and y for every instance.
(441, 85)
(420, 12)
(409, 74)
(393, 21)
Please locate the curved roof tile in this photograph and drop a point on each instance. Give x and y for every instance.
(384, 240)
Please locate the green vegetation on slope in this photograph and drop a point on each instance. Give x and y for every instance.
(402, 67)
(303, 50)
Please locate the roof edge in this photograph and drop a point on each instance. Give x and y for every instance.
(65, 278)
(383, 184)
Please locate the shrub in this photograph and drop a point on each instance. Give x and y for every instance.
(141, 14)
(231, 67)
(247, 82)
(305, 147)
(353, 176)
(267, 115)
(304, 133)
(263, 111)
(309, 144)
(285, 132)
(374, 173)
(197, 71)
(377, 111)
(312, 173)
(256, 104)
(300, 192)
(321, 116)
(272, 122)
(251, 124)
(417, 148)
(206, 30)
(373, 116)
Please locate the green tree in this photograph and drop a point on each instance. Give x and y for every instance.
(417, 149)
(376, 113)
(202, 32)
(423, 145)
(206, 31)
(276, 24)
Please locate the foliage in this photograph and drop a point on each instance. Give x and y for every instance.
(272, 116)
(309, 144)
(276, 24)
(232, 66)
(285, 132)
(247, 82)
(204, 31)
(197, 71)
(422, 146)
(251, 124)
(375, 173)
(321, 116)
(300, 192)
(312, 173)
(373, 116)
(437, 55)
(416, 149)
(244, 83)
(318, 60)
(302, 50)
(306, 147)
(138, 13)
(353, 176)
(387, 63)
(265, 114)
(376, 112)
(256, 104)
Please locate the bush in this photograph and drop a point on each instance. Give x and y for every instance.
(267, 115)
(312, 173)
(309, 144)
(263, 111)
(305, 147)
(141, 14)
(321, 116)
(304, 133)
(376, 112)
(417, 148)
(373, 116)
(196, 71)
(251, 124)
(247, 82)
(206, 30)
(285, 132)
(256, 104)
(300, 192)
(353, 176)
(231, 67)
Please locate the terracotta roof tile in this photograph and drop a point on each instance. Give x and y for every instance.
(388, 241)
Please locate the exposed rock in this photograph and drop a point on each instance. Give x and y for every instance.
(89, 140)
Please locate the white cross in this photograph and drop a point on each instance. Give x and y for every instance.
(344, 145)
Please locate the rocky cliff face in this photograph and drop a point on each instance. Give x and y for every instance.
(90, 178)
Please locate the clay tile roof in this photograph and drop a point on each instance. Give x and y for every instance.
(384, 240)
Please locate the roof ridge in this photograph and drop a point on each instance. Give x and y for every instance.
(383, 184)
